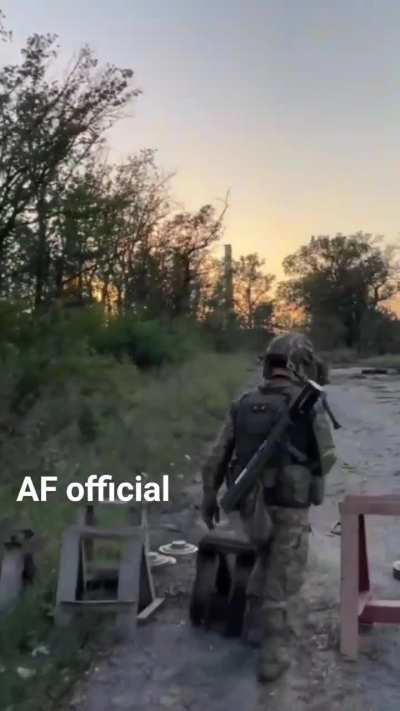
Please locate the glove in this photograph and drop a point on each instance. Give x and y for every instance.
(209, 508)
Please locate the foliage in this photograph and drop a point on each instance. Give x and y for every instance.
(253, 302)
(338, 280)
(48, 127)
(122, 421)
(379, 332)
(76, 229)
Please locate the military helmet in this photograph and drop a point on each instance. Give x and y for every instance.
(293, 351)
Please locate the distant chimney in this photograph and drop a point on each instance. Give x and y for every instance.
(228, 280)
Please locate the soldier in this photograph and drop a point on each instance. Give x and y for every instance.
(275, 513)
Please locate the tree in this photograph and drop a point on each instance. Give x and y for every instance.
(74, 227)
(379, 331)
(143, 191)
(340, 278)
(47, 130)
(251, 287)
(106, 230)
(185, 242)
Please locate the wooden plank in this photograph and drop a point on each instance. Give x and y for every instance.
(349, 593)
(108, 533)
(225, 544)
(69, 566)
(237, 596)
(363, 600)
(146, 584)
(150, 609)
(99, 569)
(134, 577)
(363, 564)
(388, 505)
(87, 543)
(68, 575)
(129, 569)
(111, 603)
(103, 607)
(11, 577)
(128, 584)
(207, 565)
(144, 523)
(381, 612)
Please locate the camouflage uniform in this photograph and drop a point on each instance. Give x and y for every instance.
(274, 515)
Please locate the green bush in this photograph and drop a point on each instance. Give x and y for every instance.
(63, 343)
(82, 392)
(148, 343)
(31, 376)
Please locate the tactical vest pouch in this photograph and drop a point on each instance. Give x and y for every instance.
(293, 486)
(324, 438)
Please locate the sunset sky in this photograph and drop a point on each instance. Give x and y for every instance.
(293, 105)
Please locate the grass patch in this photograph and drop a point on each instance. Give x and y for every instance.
(103, 417)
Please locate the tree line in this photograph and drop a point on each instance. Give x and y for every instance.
(77, 229)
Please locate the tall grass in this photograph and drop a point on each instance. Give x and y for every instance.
(91, 414)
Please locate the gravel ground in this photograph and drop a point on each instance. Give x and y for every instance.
(171, 665)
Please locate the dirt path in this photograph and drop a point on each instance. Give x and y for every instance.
(171, 665)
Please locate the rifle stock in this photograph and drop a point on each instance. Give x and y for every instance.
(248, 477)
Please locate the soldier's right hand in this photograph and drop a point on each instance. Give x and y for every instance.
(209, 508)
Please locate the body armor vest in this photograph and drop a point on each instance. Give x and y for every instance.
(257, 412)
(288, 478)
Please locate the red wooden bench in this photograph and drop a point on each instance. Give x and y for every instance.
(357, 604)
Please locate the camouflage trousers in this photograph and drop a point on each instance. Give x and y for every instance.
(280, 566)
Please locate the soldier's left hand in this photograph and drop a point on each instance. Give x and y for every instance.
(209, 508)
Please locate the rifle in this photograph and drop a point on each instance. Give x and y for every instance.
(329, 412)
(301, 405)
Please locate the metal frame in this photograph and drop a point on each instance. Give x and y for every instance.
(136, 599)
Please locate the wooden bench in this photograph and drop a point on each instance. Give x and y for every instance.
(218, 599)
(357, 604)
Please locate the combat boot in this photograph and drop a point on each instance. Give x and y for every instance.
(274, 659)
(273, 662)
